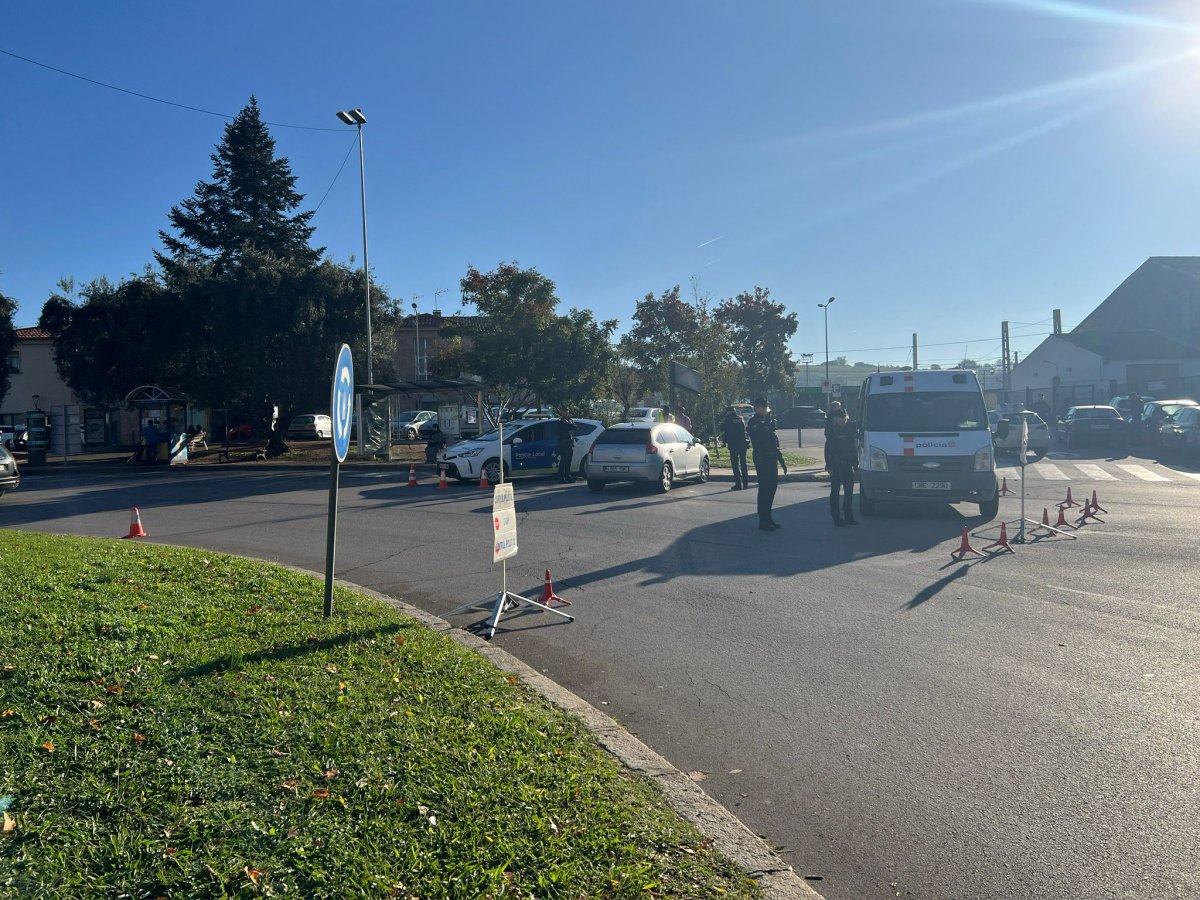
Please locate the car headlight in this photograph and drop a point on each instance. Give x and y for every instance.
(984, 460)
(469, 454)
(876, 460)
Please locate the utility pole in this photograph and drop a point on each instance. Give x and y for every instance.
(914, 351)
(1006, 371)
(1058, 321)
(828, 385)
(807, 358)
(417, 325)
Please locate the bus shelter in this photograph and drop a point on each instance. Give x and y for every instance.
(458, 403)
(161, 421)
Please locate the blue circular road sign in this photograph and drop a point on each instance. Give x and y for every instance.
(341, 402)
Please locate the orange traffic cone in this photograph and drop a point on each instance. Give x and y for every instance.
(1045, 520)
(412, 475)
(1062, 519)
(442, 483)
(1066, 504)
(548, 594)
(135, 525)
(964, 548)
(1088, 513)
(1004, 488)
(1002, 541)
(483, 482)
(1096, 507)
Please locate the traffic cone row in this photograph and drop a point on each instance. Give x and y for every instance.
(135, 525)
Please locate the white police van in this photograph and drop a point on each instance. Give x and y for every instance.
(924, 436)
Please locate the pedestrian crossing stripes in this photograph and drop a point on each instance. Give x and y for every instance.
(1063, 470)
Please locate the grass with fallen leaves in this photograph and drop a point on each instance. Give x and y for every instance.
(186, 724)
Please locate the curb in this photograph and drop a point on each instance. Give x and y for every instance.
(730, 835)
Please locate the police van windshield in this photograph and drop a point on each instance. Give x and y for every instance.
(927, 411)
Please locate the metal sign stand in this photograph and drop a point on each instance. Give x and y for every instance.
(505, 601)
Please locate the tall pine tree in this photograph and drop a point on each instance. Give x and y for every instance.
(249, 204)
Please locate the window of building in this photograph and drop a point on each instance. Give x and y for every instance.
(14, 361)
(422, 352)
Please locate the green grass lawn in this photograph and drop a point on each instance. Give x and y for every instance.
(794, 459)
(180, 723)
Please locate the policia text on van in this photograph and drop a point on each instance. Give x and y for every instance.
(925, 436)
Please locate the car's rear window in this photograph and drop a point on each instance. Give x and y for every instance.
(1097, 414)
(303, 420)
(624, 436)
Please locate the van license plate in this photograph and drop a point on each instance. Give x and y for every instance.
(616, 468)
(931, 486)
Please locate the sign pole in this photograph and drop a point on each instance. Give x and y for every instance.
(341, 402)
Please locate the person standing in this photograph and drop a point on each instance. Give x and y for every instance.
(834, 408)
(764, 440)
(566, 448)
(841, 462)
(151, 437)
(1042, 408)
(682, 418)
(733, 433)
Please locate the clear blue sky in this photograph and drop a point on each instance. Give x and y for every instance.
(937, 165)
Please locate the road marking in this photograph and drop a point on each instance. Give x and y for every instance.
(1195, 475)
(1141, 472)
(1094, 471)
(1050, 472)
(1011, 472)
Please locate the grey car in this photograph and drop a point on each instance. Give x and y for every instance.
(10, 476)
(658, 454)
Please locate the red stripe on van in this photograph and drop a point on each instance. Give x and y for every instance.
(909, 451)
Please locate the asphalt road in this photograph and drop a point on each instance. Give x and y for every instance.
(898, 723)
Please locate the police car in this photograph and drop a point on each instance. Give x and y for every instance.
(1039, 431)
(530, 448)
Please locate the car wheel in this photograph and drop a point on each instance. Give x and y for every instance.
(595, 485)
(491, 469)
(412, 434)
(666, 479)
(865, 506)
(1069, 442)
(703, 476)
(989, 508)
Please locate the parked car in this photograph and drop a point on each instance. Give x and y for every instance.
(14, 437)
(1038, 433)
(801, 417)
(1181, 431)
(1121, 403)
(530, 448)
(659, 454)
(1101, 424)
(10, 475)
(646, 414)
(414, 424)
(1155, 413)
(310, 426)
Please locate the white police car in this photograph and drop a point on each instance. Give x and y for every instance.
(530, 448)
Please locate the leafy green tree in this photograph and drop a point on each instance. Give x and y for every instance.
(249, 204)
(759, 333)
(8, 341)
(967, 363)
(526, 352)
(664, 328)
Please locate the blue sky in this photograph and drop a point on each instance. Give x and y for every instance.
(936, 165)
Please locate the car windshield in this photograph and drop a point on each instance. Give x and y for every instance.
(406, 416)
(624, 436)
(639, 412)
(492, 435)
(1169, 409)
(930, 411)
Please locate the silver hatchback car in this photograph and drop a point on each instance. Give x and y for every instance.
(660, 454)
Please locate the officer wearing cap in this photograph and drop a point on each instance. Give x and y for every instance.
(765, 442)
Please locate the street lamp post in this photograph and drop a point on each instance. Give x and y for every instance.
(355, 117)
(828, 386)
(417, 325)
(807, 357)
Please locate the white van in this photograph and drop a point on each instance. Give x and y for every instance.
(925, 436)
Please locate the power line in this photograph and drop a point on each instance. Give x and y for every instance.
(338, 175)
(113, 87)
(940, 344)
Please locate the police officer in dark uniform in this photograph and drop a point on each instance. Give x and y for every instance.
(764, 440)
(566, 447)
(841, 462)
(733, 433)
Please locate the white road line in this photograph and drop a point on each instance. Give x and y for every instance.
(1012, 473)
(1195, 475)
(1050, 472)
(1095, 472)
(1141, 472)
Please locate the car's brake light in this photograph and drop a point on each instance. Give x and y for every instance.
(651, 447)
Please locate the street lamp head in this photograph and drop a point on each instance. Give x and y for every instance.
(352, 117)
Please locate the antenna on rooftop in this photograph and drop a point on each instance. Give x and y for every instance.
(436, 294)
